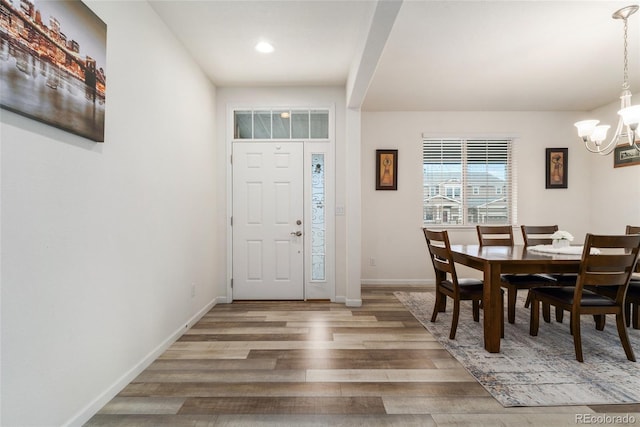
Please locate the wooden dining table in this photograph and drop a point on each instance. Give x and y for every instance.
(496, 260)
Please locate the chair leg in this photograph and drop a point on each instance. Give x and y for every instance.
(512, 294)
(627, 313)
(559, 314)
(624, 337)
(534, 317)
(454, 321)
(527, 302)
(476, 310)
(636, 316)
(571, 323)
(577, 342)
(436, 307)
(546, 312)
(600, 320)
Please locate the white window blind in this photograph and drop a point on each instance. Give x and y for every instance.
(468, 181)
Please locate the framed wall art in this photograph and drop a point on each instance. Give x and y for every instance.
(557, 167)
(53, 64)
(625, 155)
(386, 169)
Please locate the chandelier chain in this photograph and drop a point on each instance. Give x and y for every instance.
(625, 84)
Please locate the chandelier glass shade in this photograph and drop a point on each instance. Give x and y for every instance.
(592, 133)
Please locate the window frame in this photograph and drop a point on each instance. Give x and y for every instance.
(469, 187)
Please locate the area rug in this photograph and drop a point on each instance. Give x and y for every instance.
(542, 370)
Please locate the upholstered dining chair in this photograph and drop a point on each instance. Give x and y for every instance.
(533, 235)
(450, 285)
(632, 300)
(502, 235)
(538, 234)
(633, 293)
(495, 235)
(612, 266)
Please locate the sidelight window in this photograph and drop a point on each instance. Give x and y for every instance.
(318, 220)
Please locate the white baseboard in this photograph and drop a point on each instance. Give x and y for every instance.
(398, 282)
(353, 303)
(92, 408)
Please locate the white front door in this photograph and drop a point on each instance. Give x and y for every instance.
(268, 207)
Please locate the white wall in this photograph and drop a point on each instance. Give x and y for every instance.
(392, 220)
(615, 191)
(273, 97)
(102, 243)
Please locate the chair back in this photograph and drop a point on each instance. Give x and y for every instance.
(440, 253)
(538, 234)
(495, 235)
(612, 265)
(633, 229)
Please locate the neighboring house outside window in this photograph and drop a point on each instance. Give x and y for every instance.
(474, 180)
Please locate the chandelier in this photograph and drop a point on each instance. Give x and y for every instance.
(592, 134)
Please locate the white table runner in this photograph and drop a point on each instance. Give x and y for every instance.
(567, 250)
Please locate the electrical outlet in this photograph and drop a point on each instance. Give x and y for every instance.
(372, 262)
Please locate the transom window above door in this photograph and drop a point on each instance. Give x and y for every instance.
(281, 124)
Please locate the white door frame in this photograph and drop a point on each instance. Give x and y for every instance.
(313, 290)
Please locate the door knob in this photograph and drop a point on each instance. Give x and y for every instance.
(296, 233)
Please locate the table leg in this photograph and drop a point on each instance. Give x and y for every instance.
(493, 305)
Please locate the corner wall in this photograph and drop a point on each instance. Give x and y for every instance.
(616, 190)
(103, 245)
(392, 220)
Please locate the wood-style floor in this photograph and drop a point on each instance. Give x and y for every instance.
(318, 364)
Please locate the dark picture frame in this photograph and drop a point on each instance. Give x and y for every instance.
(625, 155)
(557, 167)
(52, 65)
(386, 169)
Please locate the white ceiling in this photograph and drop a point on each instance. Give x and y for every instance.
(439, 55)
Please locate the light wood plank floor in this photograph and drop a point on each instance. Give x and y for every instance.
(318, 364)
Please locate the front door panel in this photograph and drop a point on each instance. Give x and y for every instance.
(268, 259)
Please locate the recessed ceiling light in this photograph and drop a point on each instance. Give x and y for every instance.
(264, 47)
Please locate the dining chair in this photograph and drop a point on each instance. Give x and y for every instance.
(633, 293)
(538, 234)
(611, 265)
(495, 235)
(533, 235)
(632, 300)
(449, 285)
(502, 235)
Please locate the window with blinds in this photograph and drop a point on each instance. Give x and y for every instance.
(467, 181)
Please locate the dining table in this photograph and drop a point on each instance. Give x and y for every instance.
(494, 261)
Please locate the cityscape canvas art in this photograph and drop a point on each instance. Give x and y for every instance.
(53, 64)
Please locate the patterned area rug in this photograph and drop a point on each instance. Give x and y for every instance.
(542, 370)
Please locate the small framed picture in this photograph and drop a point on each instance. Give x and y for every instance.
(625, 155)
(386, 169)
(557, 167)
